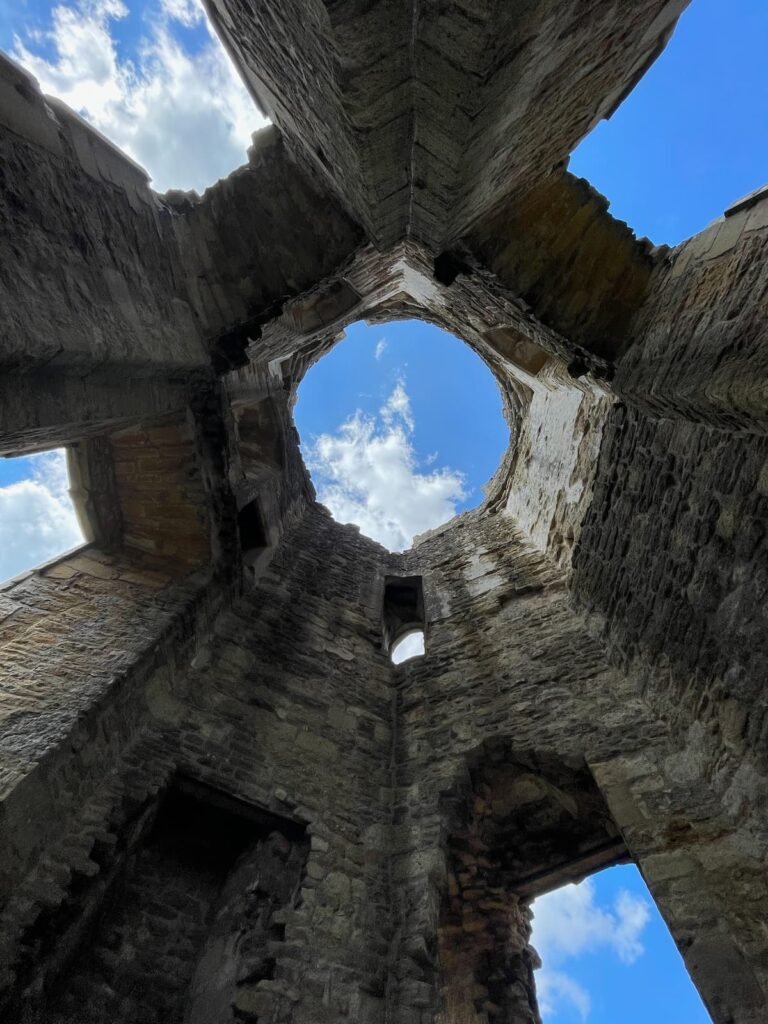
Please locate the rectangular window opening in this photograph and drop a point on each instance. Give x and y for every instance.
(39, 520)
(252, 531)
(403, 617)
(192, 915)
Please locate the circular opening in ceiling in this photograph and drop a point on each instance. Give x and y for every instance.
(401, 427)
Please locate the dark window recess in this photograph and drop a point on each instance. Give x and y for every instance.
(403, 608)
(250, 525)
(186, 925)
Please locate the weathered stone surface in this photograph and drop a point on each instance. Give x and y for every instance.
(673, 554)
(219, 799)
(424, 117)
(87, 278)
(698, 344)
(583, 272)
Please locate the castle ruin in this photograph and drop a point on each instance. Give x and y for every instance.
(220, 800)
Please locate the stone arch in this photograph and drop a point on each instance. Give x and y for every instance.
(515, 824)
(518, 824)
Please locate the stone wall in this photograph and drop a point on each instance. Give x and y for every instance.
(255, 239)
(286, 694)
(582, 272)
(591, 687)
(673, 556)
(79, 636)
(74, 206)
(289, 698)
(549, 486)
(508, 662)
(698, 344)
(70, 630)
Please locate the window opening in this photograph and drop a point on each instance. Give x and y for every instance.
(190, 919)
(252, 532)
(38, 520)
(403, 617)
(531, 842)
(407, 647)
(401, 428)
(607, 955)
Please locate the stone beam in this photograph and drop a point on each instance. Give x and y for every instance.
(88, 278)
(423, 117)
(697, 347)
(581, 271)
(255, 239)
(45, 409)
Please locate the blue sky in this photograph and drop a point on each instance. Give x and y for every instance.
(608, 956)
(693, 135)
(383, 449)
(402, 426)
(37, 521)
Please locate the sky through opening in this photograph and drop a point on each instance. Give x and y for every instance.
(401, 427)
(607, 956)
(411, 646)
(37, 520)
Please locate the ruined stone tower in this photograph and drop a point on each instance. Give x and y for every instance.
(221, 801)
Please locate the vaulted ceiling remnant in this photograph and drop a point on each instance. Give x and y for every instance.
(593, 684)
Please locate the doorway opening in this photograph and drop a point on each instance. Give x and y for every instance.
(607, 955)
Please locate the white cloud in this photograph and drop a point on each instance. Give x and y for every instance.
(381, 346)
(568, 923)
(398, 405)
(366, 472)
(187, 118)
(188, 12)
(37, 521)
(554, 990)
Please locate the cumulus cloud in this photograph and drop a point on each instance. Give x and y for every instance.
(187, 12)
(37, 521)
(568, 923)
(555, 991)
(367, 472)
(381, 346)
(398, 405)
(186, 117)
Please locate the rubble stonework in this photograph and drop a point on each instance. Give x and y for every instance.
(219, 798)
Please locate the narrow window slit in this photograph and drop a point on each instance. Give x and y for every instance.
(252, 532)
(404, 621)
